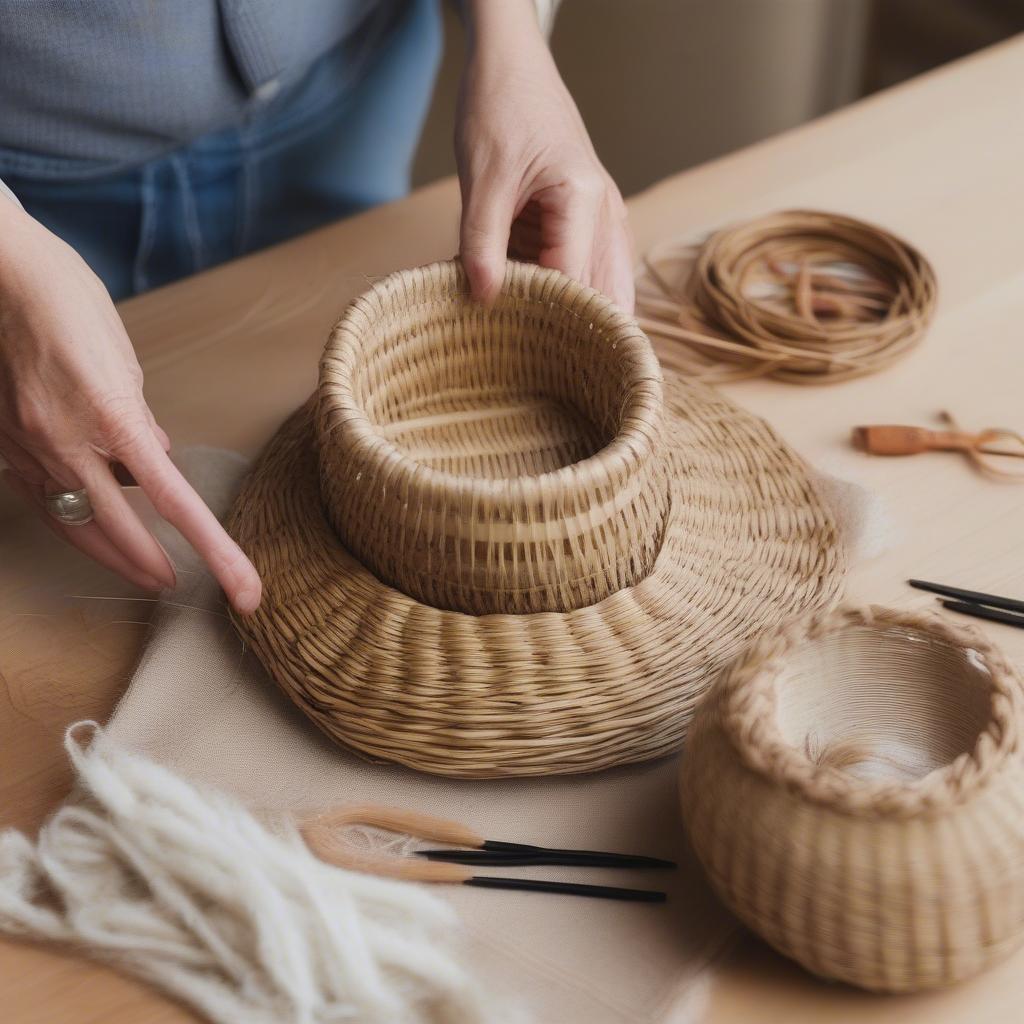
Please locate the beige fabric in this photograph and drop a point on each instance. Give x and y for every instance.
(203, 707)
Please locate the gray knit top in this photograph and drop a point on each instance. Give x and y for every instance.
(113, 82)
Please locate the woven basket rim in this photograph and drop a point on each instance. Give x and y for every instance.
(750, 705)
(636, 440)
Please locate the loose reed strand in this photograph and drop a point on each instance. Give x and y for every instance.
(400, 820)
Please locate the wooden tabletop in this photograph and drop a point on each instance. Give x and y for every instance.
(228, 353)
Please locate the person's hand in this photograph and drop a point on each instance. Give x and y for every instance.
(71, 405)
(532, 185)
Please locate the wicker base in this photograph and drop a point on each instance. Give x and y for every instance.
(749, 544)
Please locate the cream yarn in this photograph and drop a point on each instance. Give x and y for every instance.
(186, 889)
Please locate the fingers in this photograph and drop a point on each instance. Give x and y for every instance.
(580, 227)
(527, 237)
(113, 516)
(488, 209)
(161, 434)
(89, 539)
(613, 263)
(20, 463)
(178, 503)
(116, 537)
(121, 524)
(34, 477)
(615, 277)
(569, 215)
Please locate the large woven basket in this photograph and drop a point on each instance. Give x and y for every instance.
(496, 542)
(854, 787)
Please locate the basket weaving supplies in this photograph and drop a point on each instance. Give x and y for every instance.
(497, 542)
(802, 296)
(854, 787)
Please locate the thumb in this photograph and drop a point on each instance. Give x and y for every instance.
(488, 209)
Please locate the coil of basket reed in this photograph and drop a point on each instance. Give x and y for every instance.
(801, 296)
(854, 788)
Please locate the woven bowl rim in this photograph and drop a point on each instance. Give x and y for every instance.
(750, 705)
(341, 416)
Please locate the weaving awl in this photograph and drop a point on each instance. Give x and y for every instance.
(897, 440)
(513, 854)
(890, 439)
(324, 836)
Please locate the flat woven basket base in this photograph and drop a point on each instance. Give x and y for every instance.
(750, 543)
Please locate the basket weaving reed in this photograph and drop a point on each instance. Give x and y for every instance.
(497, 542)
(854, 787)
(803, 296)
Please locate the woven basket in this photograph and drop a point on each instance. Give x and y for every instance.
(854, 787)
(493, 461)
(495, 542)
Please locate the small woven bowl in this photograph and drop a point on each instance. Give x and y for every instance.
(854, 788)
(494, 462)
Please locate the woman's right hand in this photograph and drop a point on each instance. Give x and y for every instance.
(71, 405)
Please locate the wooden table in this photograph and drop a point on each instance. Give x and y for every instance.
(228, 353)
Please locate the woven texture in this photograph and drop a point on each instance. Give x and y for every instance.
(802, 296)
(625, 537)
(493, 461)
(201, 706)
(873, 763)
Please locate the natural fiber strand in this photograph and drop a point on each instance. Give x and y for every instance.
(802, 296)
(996, 462)
(854, 787)
(186, 889)
(329, 834)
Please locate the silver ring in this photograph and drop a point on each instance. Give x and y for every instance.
(72, 508)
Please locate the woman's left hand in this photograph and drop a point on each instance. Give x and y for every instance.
(532, 185)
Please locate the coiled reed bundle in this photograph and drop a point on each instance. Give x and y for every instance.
(802, 296)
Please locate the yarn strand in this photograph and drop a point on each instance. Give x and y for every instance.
(188, 890)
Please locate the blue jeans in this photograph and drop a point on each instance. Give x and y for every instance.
(326, 147)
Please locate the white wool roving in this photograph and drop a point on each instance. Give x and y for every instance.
(185, 888)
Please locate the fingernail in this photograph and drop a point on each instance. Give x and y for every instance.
(148, 582)
(247, 600)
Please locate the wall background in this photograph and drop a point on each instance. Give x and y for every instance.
(665, 84)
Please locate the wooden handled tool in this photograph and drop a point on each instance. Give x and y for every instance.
(324, 834)
(987, 449)
(897, 440)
